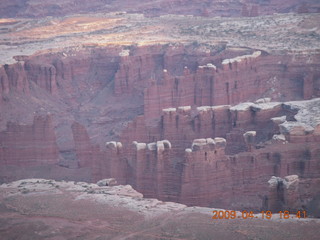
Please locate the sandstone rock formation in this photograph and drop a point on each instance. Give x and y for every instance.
(213, 171)
(27, 145)
(290, 193)
(249, 138)
(182, 108)
(167, 170)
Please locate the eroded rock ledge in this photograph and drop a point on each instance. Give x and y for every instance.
(46, 209)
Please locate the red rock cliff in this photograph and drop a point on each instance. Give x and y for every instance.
(27, 145)
(169, 98)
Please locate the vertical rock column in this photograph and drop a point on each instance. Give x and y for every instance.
(206, 179)
(13, 78)
(308, 87)
(284, 194)
(89, 155)
(113, 164)
(82, 145)
(152, 169)
(138, 166)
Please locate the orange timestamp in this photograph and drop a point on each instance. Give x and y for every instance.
(225, 214)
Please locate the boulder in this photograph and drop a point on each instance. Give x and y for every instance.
(250, 137)
(107, 182)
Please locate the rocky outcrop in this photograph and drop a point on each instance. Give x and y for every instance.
(153, 169)
(121, 212)
(205, 173)
(291, 193)
(249, 138)
(107, 182)
(284, 193)
(88, 155)
(207, 144)
(18, 77)
(13, 78)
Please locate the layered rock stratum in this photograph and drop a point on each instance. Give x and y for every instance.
(213, 107)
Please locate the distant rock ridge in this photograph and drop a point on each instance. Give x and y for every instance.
(224, 8)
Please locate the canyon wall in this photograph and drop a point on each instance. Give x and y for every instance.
(194, 76)
(261, 142)
(239, 79)
(167, 120)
